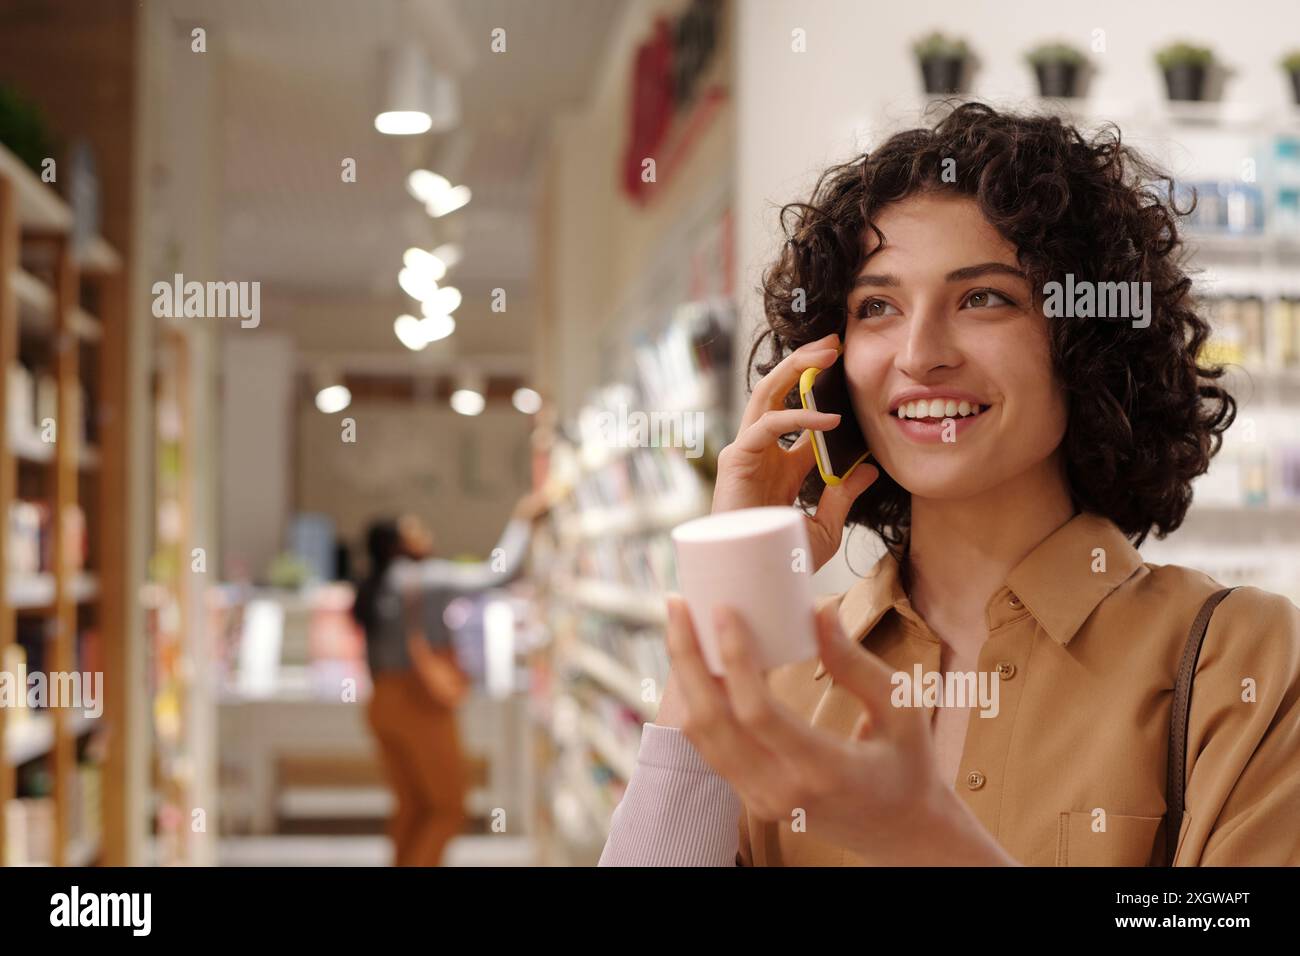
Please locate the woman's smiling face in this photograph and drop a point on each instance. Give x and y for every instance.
(942, 316)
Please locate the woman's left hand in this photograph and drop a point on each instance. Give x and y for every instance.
(877, 793)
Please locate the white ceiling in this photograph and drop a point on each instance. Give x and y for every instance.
(299, 83)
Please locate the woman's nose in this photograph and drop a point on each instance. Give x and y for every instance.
(927, 343)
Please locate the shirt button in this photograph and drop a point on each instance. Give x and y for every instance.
(1014, 602)
(974, 780)
(1006, 670)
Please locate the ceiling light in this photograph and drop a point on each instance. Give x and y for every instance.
(442, 301)
(448, 253)
(448, 201)
(436, 327)
(526, 400)
(403, 122)
(333, 399)
(425, 184)
(416, 99)
(410, 332)
(424, 263)
(466, 402)
(417, 285)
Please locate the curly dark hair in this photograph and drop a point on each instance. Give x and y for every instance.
(1145, 417)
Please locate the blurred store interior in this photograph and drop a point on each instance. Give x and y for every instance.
(438, 322)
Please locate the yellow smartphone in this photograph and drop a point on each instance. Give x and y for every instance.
(842, 448)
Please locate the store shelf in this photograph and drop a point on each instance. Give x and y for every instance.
(28, 738)
(36, 309)
(29, 591)
(632, 519)
(612, 675)
(32, 735)
(615, 600)
(99, 256)
(1244, 247)
(39, 206)
(30, 448)
(41, 231)
(42, 209)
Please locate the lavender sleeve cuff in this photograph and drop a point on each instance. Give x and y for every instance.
(677, 811)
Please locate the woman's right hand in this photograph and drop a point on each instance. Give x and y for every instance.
(755, 471)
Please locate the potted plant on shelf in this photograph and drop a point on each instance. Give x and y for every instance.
(1057, 67)
(943, 62)
(1291, 63)
(1185, 68)
(23, 129)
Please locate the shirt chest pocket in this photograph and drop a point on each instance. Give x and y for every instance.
(1091, 839)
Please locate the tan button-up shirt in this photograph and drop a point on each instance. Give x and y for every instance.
(1084, 639)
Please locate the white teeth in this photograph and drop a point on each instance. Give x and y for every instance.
(937, 408)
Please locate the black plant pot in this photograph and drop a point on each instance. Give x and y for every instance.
(1295, 85)
(1058, 80)
(943, 74)
(1185, 82)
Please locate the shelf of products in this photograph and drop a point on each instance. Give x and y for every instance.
(58, 306)
(1244, 240)
(168, 605)
(622, 476)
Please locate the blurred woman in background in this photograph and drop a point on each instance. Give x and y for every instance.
(417, 683)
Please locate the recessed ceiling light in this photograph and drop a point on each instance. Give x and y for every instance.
(333, 399)
(526, 400)
(403, 122)
(467, 402)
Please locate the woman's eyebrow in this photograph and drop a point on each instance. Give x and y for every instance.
(983, 269)
(876, 278)
(957, 275)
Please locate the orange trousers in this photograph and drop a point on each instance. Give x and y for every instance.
(419, 746)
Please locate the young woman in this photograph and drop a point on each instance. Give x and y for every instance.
(1017, 459)
(417, 684)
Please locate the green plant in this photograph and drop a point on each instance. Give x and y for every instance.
(1183, 54)
(1291, 61)
(937, 45)
(1046, 53)
(23, 130)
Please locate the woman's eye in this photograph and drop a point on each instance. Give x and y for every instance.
(986, 299)
(871, 308)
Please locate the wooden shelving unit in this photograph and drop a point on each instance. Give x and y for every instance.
(171, 606)
(65, 305)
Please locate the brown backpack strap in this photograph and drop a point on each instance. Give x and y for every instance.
(1179, 718)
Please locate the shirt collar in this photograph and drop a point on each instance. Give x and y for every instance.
(1060, 582)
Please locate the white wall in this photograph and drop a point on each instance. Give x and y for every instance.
(256, 435)
(798, 112)
(461, 475)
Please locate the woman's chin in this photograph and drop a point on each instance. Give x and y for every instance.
(944, 480)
